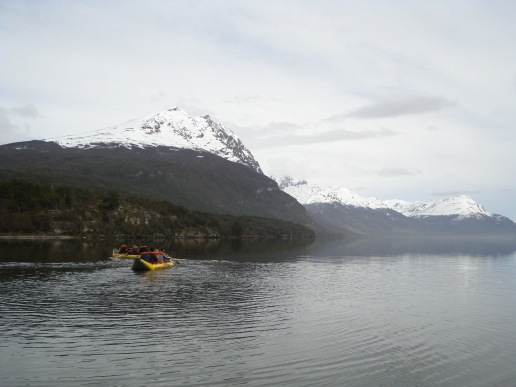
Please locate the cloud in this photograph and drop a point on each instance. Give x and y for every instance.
(316, 138)
(27, 111)
(256, 100)
(5, 124)
(393, 172)
(506, 190)
(159, 96)
(291, 62)
(399, 106)
(10, 132)
(454, 193)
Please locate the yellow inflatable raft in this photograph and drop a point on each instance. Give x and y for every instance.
(117, 255)
(141, 265)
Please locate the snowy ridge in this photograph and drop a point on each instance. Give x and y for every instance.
(310, 193)
(461, 206)
(171, 128)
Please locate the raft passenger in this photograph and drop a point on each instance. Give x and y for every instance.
(144, 254)
(135, 250)
(159, 255)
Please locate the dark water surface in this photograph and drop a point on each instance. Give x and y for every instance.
(413, 312)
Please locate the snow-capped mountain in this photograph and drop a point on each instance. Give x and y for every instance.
(310, 193)
(338, 207)
(172, 128)
(461, 205)
(305, 193)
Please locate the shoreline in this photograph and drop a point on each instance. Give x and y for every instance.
(38, 237)
(123, 237)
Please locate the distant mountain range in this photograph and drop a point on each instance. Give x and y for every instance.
(339, 209)
(202, 165)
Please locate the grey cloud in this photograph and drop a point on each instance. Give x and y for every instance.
(5, 124)
(400, 106)
(283, 127)
(453, 193)
(361, 189)
(8, 131)
(291, 62)
(321, 137)
(393, 172)
(160, 95)
(28, 111)
(506, 190)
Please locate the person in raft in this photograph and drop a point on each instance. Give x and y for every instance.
(148, 256)
(164, 256)
(144, 254)
(154, 255)
(122, 249)
(159, 254)
(132, 250)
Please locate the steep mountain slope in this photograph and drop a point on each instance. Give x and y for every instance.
(197, 180)
(193, 162)
(172, 128)
(338, 208)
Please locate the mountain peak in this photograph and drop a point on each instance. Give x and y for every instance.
(461, 206)
(172, 128)
(285, 181)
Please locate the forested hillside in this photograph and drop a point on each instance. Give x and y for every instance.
(45, 209)
(199, 181)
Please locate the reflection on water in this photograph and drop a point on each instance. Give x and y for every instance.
(74, 250)
(378, 246)
(258, 250)
(408, 312)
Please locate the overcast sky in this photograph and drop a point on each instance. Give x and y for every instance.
(411, 100)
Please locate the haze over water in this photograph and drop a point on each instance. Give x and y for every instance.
(381, 312)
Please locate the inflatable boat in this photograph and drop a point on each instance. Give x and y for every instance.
(142, 265)
(116, 254)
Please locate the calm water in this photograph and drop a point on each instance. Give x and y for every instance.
(260, 313)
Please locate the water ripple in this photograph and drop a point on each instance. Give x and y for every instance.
(410, 320)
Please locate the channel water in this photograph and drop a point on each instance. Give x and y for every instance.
(365, 312)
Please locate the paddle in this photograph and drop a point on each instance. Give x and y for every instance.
(176, 262)
(117, 252)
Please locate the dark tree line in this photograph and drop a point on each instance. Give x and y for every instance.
(28, 208)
